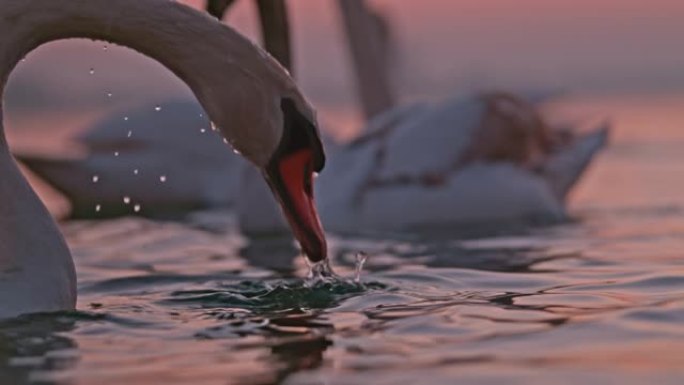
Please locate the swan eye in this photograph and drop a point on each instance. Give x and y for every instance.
(298, 134)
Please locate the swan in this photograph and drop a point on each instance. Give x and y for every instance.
(482, 159)
(248, 95)
(162, 162)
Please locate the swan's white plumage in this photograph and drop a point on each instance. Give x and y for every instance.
(36, 270)
(410, 176)
(433, 138)
(477, 194)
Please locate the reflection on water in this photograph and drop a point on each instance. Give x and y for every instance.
(597, 300)
(33, 345)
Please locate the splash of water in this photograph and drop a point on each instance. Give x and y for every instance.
(322, 271)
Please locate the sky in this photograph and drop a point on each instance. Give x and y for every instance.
(443, 47)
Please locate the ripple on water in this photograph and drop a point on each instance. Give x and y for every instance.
(559, 307)
(264, 296)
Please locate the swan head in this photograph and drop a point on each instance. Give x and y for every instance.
(273, 126)
(290, 172)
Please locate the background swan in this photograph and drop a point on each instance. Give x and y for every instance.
(246, 93)
(129, 158)
(423, 166)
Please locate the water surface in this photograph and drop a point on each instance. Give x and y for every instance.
(596, 300)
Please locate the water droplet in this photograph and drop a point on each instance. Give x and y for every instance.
(109, 94)
(235, 151)
(126, 199)
(92, 71)
(225, 140)
(96, 178)
(136, 208)
(116, 153)
(162, 178)
(157, 108)
(130, 133)
(203, 130)
(105, 47)
(136, 171)
(98, 208)
(361, 259)
(213, 126)
(126, 118)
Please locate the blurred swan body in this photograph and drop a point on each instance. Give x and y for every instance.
(471, 160)
(252, 100)
(166, 161)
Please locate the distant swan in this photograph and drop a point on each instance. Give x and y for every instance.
(246, 93)
(162, 162)
(471, 160)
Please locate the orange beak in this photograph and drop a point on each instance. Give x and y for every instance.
(291, 180)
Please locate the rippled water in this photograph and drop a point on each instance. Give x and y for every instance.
(598, 300)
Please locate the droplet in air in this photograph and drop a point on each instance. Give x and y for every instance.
(105, 47)
(136, 208)
(126, 118)
(98, 208)
(203, 130)
(130, 133)
(236, 152)
(157, 108)
(136, 172)
(116, 153)
(96, 178)
(213, 127)
(225, 140)
(127, 200)
(109, 94)
(162, 178)
(92, 71)
(361, 259)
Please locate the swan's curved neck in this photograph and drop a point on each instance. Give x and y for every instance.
(26, 24)
(193, 45)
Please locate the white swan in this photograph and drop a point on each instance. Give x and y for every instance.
(470, 160)
(247, 94)
(160, 161)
